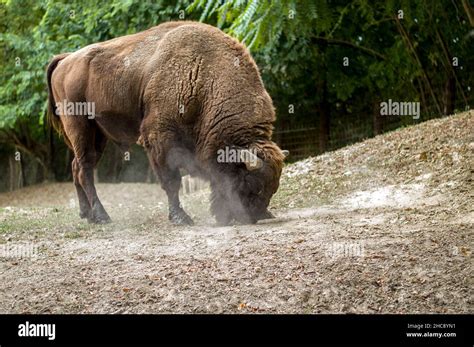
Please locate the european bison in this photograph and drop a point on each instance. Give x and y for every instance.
(186, 92)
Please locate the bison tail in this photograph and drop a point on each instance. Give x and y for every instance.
(53, 118)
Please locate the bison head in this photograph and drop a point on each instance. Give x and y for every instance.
(242, 191)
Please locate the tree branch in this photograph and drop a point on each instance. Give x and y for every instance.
(469, 11)
(412, 49)
(338, 42)
(448, 57)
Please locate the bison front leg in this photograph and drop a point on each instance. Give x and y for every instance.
(219, 208)
(164, 163)
(171, 182)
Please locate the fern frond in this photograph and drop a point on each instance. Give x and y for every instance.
(211, 6)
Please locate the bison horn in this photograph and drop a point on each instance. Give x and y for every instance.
(252, 162)
(286, 153)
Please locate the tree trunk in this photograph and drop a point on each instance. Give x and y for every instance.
(96, 175)
(449, 96)
(324, 117)
(114, 157)
(150, 175)
(15, 173)
(22, 172)
(411, 48)
(469, 11)
(377, 120)
(51, 155)
(452, 73)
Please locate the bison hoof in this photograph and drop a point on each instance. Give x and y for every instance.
(223, 220)
(103, 221)
(267, 215)
(99, 219)
(84, 214)
(180, 218)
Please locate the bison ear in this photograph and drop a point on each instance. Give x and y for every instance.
(286, 153)
(251, 161)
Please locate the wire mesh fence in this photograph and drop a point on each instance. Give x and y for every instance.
(304, 140)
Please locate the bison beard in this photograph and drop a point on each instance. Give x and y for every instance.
(184, 90)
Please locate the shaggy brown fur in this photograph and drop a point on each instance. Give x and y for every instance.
(185, 90)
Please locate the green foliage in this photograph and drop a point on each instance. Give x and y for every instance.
(32, 32)
(259, 23)
(299, 46)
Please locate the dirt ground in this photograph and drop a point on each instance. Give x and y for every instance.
(383, 226)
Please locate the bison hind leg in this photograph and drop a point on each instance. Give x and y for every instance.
(85, 210)
(89, 145)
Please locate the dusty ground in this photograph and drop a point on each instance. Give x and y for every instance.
(384, 226)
